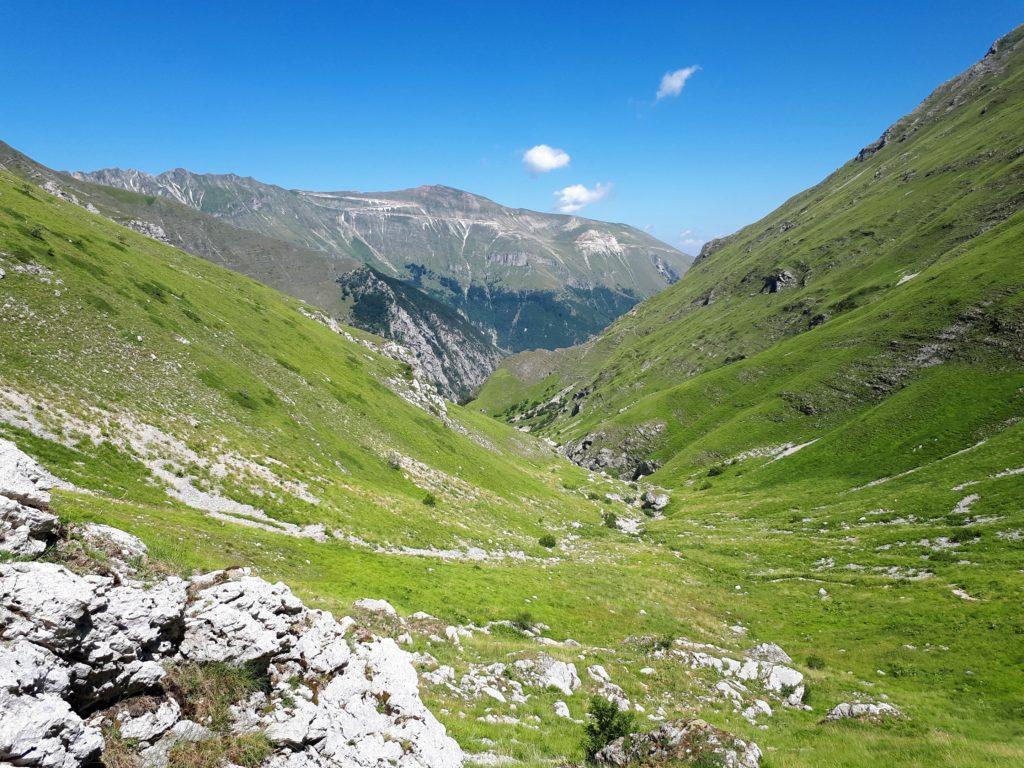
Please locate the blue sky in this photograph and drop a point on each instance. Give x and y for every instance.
(374, 96)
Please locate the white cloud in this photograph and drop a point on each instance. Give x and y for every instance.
(542, 158)
(576, 197)
(672, 82)
(689, 241)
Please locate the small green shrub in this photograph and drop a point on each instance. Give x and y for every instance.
(547, 540)
(430, 500)
(715, 471)
(523, 621)
(611, 520)
(815, 662)
(605, 724)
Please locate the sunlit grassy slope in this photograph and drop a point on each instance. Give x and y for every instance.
(131, 369)
(900, 323)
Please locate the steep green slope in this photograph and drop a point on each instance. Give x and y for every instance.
(171, 392)
(893, 286)
(884, 558)
(455, 355)
(190, 368)
(532, 279)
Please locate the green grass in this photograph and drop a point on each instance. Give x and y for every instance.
(264, 406)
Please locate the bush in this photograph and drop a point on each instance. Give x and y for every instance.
(547, 540)
(523, 621)
(715, 471)
(430, 500)
(611, 520)
(605, 724)
(815, 662)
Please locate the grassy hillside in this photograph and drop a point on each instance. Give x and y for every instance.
(894, 287)
(455, 355)
(214, 418)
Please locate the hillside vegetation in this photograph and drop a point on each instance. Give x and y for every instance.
(848, 491)
(531, 279)
(863, 313)
(453, 353)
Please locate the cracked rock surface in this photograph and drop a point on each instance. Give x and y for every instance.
(84, 655)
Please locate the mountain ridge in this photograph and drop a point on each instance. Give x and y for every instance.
(457, 358)
(921, 197)
(529, 279)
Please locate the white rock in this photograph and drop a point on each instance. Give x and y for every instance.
(157, 756)
(44, 603)
(134, 624)
(43, 731)
(771, 652)
(239, 620)
(24, 530)
(29, 668)
(22, 478)
(598, 674)
(557, 674)
(151, 724)
(126, 546)
(494, 693)
(376, 606)
(321, 647)
(760, 708)
(867, 710)
(562, 710)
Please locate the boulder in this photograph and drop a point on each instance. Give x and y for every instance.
(46, 604)
(42, 730)
(137, 627)
(142, 719)
(240, 619)
(22, 478)
(687, 742)
(374, 605)
(654, 501)
(557, 674)
(862, 710)
(24, 530)
(26, 668)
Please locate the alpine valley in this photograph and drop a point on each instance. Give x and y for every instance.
(409, 479)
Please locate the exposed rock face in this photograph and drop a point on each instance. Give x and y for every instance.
(686, 742)
(776, 281)
(626, 457)
(73, 644)
(25, 523)
(455, 355)
(533, 279)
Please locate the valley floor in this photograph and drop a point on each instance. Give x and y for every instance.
(906, 591)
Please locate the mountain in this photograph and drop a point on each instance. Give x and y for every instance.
(529, 279)
(454, 354)
(824, 568)
(888, 288)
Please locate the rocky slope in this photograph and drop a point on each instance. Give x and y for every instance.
(531, 279)
(896, 271)
(95, 659)
(454, 355)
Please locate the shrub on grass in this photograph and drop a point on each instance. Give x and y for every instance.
(605, 724)
(547, 540)
(523, 621)
(430, 500)
(611, 520)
